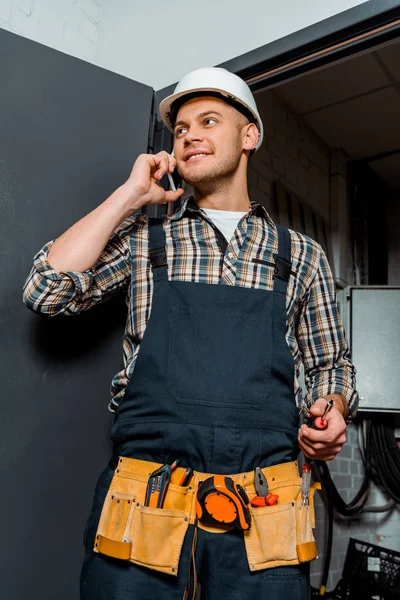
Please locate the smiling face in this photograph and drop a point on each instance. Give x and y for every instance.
(210, 140)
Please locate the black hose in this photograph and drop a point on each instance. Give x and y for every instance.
(327, 562)
(385, 460)
(345, 509)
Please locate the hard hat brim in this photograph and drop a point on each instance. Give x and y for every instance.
(166, 105)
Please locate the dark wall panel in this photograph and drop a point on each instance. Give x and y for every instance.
(69, 134)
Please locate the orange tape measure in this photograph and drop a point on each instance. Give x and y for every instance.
(220, 501)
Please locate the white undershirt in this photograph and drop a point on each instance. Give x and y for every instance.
(225, 220)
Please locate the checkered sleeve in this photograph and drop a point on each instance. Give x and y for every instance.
(51, 293)
(325, 353)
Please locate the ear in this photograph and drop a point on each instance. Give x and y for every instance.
(250, 137)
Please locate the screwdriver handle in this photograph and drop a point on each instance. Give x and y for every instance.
(320, 423)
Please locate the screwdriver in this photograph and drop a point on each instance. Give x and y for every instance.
(305, 484)
(187, 476)
(320, 422)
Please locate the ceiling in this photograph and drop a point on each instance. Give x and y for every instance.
(355, 105)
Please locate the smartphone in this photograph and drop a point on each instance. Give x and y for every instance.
(174, 179)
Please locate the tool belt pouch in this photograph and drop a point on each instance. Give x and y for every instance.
(282, 534)
(150, 537)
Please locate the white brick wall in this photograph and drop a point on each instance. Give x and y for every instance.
(70, 26)
(292, 154)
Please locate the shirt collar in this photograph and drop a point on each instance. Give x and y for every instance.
(189, 205)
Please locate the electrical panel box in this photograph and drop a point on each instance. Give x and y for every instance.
(373, 329)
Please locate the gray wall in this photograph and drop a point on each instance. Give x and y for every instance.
(157, 42)
(69, 133)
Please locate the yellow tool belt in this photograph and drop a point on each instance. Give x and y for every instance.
(153, 537)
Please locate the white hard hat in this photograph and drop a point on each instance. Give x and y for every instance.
(215, 80)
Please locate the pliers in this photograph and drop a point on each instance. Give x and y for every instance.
(264, 497)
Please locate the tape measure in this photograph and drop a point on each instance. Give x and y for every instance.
(220, 501)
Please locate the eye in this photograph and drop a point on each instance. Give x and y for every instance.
(209, 120)
(179, 131)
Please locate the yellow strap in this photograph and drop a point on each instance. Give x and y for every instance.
(306, 551)
(113, 548)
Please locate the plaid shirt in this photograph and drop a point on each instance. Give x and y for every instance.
(197, 252)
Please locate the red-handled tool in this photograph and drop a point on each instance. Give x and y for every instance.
(264, 497)
(320, 422)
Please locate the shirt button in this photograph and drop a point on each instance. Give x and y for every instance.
(231, 255)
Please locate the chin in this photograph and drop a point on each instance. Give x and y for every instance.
(196, 177)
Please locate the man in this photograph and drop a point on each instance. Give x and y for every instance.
(230, 305)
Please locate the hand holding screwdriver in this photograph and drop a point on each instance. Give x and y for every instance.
(324, 444)
(320, 422)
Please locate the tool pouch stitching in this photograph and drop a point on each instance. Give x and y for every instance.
(264, 544)
(263, 540)
(124, 517)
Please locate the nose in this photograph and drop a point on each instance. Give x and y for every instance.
(193, 134)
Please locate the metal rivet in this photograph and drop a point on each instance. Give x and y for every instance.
(96, 545)
(244, 476)
(120, 460)
(98, 537)
(112, 497)
(117, 470)
(173, 569)
(252, 567)
(118, 501)
(273, 479)
(292, 503)
(134, 500)
(190, 487)
(137, 504)
(186, 519)
(129, 501)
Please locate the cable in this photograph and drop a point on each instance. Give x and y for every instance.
(360, 441)
(377, 509)
(345, 509)
(385, 460)
(327, 562)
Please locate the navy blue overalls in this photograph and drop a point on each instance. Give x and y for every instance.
(212, 386)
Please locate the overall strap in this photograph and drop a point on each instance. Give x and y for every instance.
(283, 259)
(157, 251)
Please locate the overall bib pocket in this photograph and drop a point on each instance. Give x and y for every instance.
(282, 534)
(150, 537)
(212, 378)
